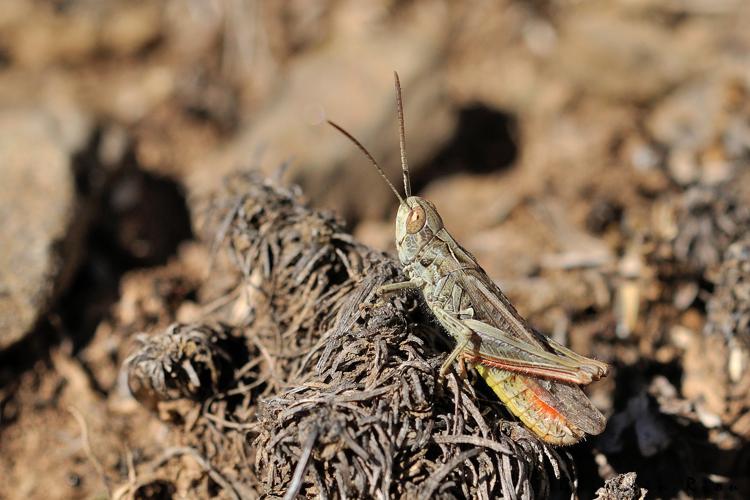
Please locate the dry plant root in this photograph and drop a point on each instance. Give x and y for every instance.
(323, 394)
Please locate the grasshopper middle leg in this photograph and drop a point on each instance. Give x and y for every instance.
(457, 330)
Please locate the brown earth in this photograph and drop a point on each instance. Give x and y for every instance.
(594, 156)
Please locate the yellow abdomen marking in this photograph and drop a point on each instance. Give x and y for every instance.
(520, 396)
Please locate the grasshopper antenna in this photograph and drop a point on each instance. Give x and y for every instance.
(368, 155)
(402, 136)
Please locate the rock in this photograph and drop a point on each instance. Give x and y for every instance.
(37, 210)
(621, 487)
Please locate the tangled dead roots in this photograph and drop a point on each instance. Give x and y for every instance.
(314, 385)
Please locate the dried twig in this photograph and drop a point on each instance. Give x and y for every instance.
(86, 443)
(215, 475)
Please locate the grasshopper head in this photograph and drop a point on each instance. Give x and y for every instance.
(417, 219)
(416, 223)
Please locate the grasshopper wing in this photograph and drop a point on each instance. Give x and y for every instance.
(536, 377)
(504, 336)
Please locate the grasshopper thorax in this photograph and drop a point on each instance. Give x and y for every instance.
(417, 221)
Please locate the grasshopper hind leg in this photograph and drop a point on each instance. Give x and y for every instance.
(595, 367)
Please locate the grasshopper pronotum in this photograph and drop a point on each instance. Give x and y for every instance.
(535, 377)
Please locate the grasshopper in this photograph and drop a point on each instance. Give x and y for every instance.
(536, 378)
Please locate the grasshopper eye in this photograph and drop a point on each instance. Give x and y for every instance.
(415, 220)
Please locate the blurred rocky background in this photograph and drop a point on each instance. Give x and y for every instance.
(594, 156)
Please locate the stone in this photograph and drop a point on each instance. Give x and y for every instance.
(37, 215)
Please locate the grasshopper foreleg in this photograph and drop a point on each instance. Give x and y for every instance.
(396, 287)
(392, 288)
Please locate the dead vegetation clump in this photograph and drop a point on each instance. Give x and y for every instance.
(694, 203)
(186, 361)
(332, 391)
(718, 362)
(708, 219)
(705, 159)
(729, 307)
(683, 406)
